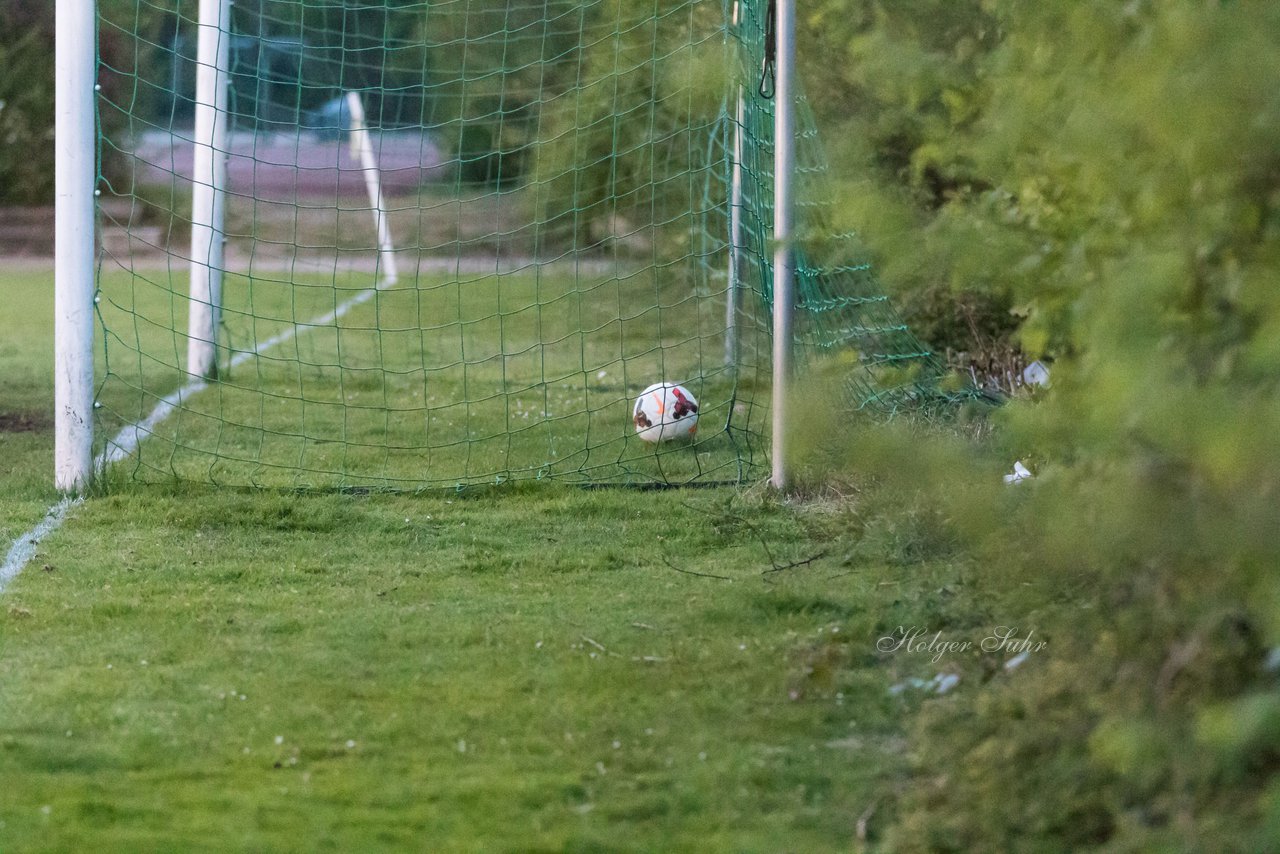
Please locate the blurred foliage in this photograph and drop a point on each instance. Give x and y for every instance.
(896, 87)
(1110, 172)
(26, 103)
(27, 92)
(491, 67)
(604, 106)
(620, 152)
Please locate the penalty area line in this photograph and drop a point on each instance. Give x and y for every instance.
(126, 442)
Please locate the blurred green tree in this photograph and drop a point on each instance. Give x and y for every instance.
(26, 103)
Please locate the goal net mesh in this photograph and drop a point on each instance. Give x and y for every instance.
(459, 238)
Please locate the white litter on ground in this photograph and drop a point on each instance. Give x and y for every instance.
(1036, 373)
(939, 684)
(1016, 662)
(1019, 474)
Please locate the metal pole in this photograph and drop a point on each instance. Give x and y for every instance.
(75, 173)
(735, 221)
(735, 239)
(783, 255)
(362, 151)
(209, 190)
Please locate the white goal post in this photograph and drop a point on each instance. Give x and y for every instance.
(209, 185)
(783, 256)
(75, 173)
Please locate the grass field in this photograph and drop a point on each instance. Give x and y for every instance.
(525, 668)
(439, 380)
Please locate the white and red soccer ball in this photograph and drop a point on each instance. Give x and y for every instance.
(665, 411)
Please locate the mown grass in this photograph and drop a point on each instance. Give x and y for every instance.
(531, 667)
(513, 671)
(439, 380)
(26, 400)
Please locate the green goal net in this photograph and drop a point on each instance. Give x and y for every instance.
(407, 244)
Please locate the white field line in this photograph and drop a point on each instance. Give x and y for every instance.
(127, 440)
(125, 443)
(24, 548)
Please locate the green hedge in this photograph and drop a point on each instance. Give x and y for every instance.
(1111, 172)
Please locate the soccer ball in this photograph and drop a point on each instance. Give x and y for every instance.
(665, 411)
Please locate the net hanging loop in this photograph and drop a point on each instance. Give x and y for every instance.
(768, 77)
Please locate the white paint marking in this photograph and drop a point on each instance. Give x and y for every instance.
(125, 443)
(24, 548)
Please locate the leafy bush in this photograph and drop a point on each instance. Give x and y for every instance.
(1114, 174)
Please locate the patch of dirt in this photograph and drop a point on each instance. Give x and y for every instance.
(25, 422)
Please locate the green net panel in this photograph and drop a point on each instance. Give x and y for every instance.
(559, 182)
(844, 322)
